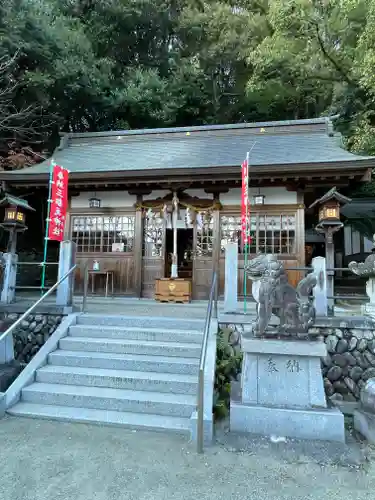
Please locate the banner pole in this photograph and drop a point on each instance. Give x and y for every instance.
(246, 233)
(49, 201)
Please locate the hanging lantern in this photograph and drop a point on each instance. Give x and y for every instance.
(94, 202)
(259, 199)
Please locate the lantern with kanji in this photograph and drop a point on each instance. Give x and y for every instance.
(15, 213)
(328, 224)
(329, 209)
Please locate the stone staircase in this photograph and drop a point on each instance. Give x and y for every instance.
(137, 372)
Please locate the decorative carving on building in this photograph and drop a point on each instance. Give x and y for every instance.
(274, 295)
(205, 234)
(153, 234)
(270, 233)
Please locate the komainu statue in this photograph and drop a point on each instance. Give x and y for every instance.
(275, 295)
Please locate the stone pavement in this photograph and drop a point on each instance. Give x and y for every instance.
(43, 460)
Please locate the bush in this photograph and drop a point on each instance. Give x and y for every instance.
(228, 367)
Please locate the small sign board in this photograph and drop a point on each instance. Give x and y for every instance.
(118, 247)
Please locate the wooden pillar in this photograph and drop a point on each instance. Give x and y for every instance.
(68, 218)
(216, 245)
(138, 248)
(300, 233)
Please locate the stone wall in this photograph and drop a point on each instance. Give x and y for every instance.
(31, 334)
(350, 360)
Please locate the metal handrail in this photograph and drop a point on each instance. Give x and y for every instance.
(85, 285)
(211, 312)
(31, 309)
(40, 264)
(311, 269)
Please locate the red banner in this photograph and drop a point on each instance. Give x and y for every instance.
(58, 203)
(245, 215)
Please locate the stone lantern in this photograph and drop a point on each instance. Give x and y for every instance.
(328, 224)
(15, 213)
(14, 222)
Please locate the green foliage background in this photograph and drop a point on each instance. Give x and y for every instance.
(92, 65)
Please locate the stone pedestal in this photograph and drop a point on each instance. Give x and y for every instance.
(67, 259)
(282, 392)
(231, 278)
(8, 292)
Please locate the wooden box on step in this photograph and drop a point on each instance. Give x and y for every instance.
(173, 290)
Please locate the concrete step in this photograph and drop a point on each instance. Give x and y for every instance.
(140, 421)
(132, 362)
(120, 346)
(162, 322)
(134, 333)
(99, 398)
(118, 379)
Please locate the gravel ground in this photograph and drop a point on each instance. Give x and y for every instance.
(43, 460)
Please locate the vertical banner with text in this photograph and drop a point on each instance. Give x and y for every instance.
(245, 204)
(58, 203)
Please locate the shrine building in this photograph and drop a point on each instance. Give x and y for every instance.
(121, 185)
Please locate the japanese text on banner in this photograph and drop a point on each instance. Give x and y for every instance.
(245, 213)
(58, 203)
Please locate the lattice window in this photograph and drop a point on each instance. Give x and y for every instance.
(269, 233)
(153, 235)
(99, 234)
(204, 239)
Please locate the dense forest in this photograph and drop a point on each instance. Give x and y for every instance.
(91, 65)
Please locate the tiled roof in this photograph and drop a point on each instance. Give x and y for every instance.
(272, 143)
(359, 207)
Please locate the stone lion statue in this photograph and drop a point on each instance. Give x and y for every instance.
(274, 295)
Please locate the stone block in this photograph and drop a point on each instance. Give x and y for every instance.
(282, 392)
(364, 423)
(316, 424)
(282, 373)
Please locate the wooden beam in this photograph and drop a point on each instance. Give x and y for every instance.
(216, 189)
(139, 191)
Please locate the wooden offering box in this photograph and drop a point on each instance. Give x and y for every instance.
(173, 290)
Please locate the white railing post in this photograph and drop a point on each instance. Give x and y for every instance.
(8, 292)
(231, 278)
(320, 290)
(67, 259)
